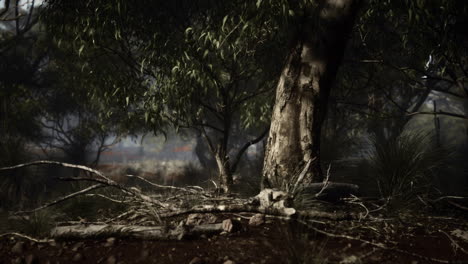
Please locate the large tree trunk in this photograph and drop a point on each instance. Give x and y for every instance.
(303, 90)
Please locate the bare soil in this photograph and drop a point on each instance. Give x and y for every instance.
(404, 239)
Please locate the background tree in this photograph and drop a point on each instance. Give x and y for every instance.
(205, 65)
(22, 53)
(390, 78)
(77, 122)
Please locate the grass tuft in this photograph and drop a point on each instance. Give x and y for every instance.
(405, 167)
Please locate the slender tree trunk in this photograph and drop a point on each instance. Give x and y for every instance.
(303, 90)
(220, 153)
(224, 169)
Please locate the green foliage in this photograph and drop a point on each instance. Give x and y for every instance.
(404, 167)
(192, 58)
(204, 65)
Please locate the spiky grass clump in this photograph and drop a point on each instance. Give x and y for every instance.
(405, 166)
(302, 245)
(13, 184)
(38, 224)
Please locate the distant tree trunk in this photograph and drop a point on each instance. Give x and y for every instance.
(203, 154)
(224, 169)
(303, 90)
(220, 152)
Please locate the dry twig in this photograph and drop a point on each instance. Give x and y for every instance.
(26, 237)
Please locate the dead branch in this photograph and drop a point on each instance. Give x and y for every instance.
(102, 182)
(331, 191)
(63, 164)
(230, 208)
(455, 245)
(109, 183)
(449, 197)
(325, 182)
(380, 245)
(106, 197)
(302, 174)
(449, 200)
(459, 206)
(188, 189)
(356, 200)
(26, 237)
(62, 199)
(439, 113)
(132, 191)
(134, 231)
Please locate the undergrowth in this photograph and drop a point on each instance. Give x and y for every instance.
(37, 224)
(302, 245)
(405, 167)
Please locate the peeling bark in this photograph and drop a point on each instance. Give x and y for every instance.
(224, 168)
(303, 90)
(141, 232)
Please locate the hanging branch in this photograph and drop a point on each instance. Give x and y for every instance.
(246, 146)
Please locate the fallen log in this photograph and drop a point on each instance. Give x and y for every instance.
(135, 231)
(330, 191)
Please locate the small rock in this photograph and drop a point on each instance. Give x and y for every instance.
(278, 195)
(200, 219)
(230, 225)
(77, 246)
(257, 219)
(144, 254)
(31, 259)
(18, 260)
(77, 257)
(349, 260)
(111, 260)
(18, 248)
(196, 260)
(229, 262)
(110, 242)
(52, 243)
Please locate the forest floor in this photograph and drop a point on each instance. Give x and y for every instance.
(405, 238)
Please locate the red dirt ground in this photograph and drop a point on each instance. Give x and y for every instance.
(274, 242)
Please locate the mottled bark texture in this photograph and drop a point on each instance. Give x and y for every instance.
(303, 90)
